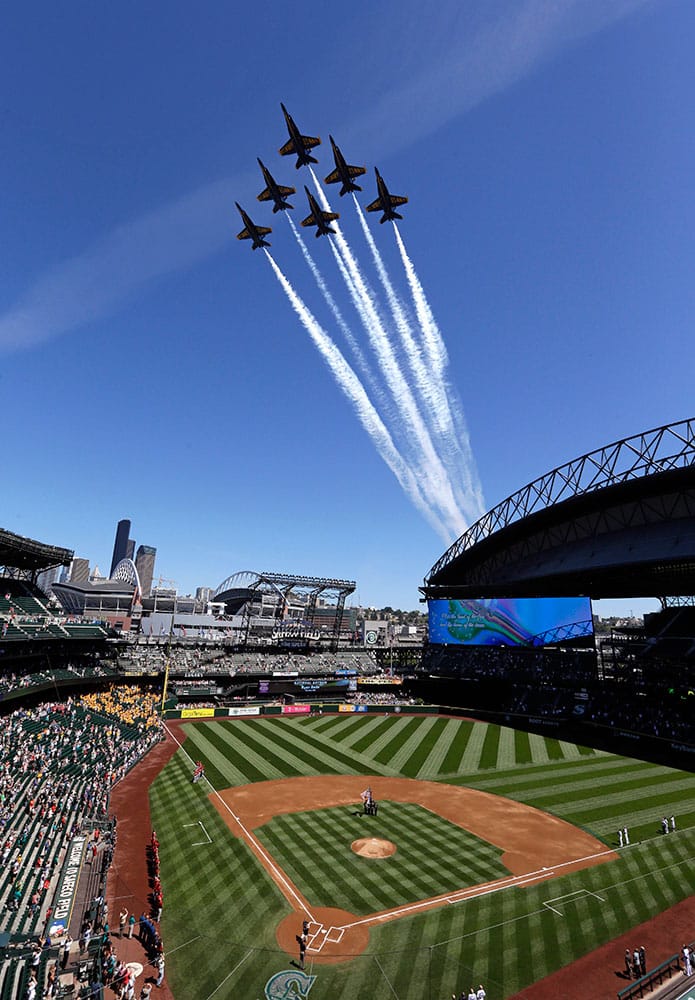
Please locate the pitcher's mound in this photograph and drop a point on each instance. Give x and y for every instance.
(373, 847)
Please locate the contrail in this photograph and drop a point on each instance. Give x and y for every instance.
(431, 390)
(355, 392)
(436, 353)
(432, 338)
(449, 425)
(362, 362)
(432, 475)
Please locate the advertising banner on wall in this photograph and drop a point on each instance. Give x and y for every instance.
(197, 713)
(67, 887)
(244, 710)
(296, 709)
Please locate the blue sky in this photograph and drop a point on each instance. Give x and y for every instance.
(152, 367)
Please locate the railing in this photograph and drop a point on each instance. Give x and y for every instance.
(653, 978)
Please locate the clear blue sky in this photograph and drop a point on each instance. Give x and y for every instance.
(151, 366)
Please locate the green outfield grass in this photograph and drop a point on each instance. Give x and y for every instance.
(221, 908)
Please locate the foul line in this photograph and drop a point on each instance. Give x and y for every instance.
(288, 890)
(241, 962)
(170, 951)
(386, 977)
(510, 882)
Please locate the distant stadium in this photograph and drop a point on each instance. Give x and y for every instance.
(519, 765)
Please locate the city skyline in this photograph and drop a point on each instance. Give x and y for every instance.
(545, 149)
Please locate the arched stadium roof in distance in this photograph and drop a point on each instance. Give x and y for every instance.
(283, 583)
(126, 572)
(616, 522)
(17, 552)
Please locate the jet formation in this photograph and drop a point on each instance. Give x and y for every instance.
(344, 174)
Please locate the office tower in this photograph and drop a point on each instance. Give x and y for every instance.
(144, 564)
(45, 580)
(79, 571)
(130, 549)
(120, 545)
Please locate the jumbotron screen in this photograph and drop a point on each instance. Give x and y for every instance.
(521, 621)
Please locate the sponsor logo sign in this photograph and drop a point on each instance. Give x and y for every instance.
(244, 710)
(67, 887)
(296, 709)
(197, 713)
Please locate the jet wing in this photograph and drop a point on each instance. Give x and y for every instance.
(375, 206)
(396, 199)
(332, 178)
(284, 192)
(307, 141)
(356, 171)
(260, 231)
(309, 221)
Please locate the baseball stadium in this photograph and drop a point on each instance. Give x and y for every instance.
(277, 809)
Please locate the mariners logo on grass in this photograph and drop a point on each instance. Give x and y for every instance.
(288, 985)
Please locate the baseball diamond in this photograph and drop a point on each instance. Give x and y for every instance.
(281, 805)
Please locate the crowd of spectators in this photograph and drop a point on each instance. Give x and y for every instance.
(211, 660)
(565, 684)
(58, 762)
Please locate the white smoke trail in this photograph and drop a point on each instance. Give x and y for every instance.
(432, 338)
(436, 353)
(351, 386)
(431, 474)
(432, 390)
(362, 362)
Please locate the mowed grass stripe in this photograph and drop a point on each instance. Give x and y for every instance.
(464, 859)
(348, 886)
(323, 755)
(457, 747)
(470, 761)
(401, 736)
(345, 728)
(490, 748)
(327, 724)
(376, 735)
(249, 742)
(367, 737)
(506, 748)
(307, 865)
(433, 763)
(522, 747)
(415, 751)
(658, 787)
(570, 771)
(218, 755)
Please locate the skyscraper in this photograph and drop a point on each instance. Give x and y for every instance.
(120, 546)
(144, 564)
(79, 571)
(130, 549)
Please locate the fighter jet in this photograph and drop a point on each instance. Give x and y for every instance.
(274, 191)
(297, 144)
(317, 217)
(251, 231)
(385, 202)
(344, 172)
